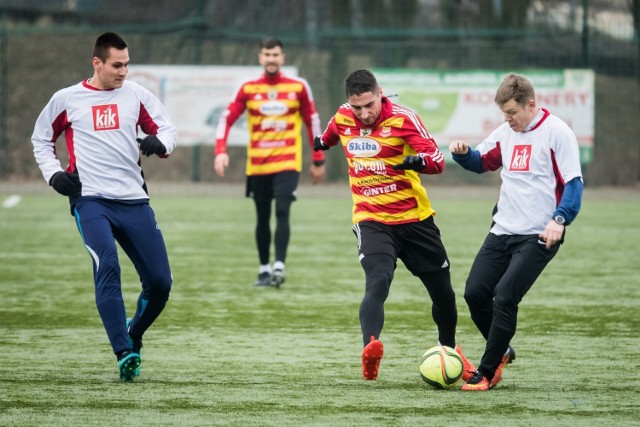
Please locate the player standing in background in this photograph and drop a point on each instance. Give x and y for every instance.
(277, 106)
(387, 147)
(107, 192)
(540, 195)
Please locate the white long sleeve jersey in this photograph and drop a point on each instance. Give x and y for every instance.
(100, 128)
(536, 165)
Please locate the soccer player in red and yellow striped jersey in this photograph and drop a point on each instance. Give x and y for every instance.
(387, 146)
(277, 106)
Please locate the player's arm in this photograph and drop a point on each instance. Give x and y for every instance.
(564, 145)
(571, 201)
(466, 156)
(50, 124)
(225, 122)
(428, 158)
(485, 157)
(154, 121)
(311, 120)
(564, 214)
(329, 137)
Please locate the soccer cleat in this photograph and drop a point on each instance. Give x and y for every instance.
(477, 382)
(136, 345)
(509, 356)
(128, 364)
(264, 279)
(278, 278)
(467, 367)
(371, 356)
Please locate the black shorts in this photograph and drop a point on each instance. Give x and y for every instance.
(417, 244)
(281, 185)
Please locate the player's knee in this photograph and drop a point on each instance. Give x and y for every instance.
(503, 302)
(377, 287)
(160, 286)
(472, 296)
(282, 210)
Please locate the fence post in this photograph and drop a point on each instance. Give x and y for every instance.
(4, 94)
(200, 27)
(585, 33)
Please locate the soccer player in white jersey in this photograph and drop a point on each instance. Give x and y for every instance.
(100, 118)
(540, 196)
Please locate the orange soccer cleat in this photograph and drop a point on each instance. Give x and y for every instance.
(508, 357)
(467, 367)
(371, 357)
(478, 382)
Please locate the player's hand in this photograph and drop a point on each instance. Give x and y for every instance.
(220, 163)
(151, 145)
(414, 163)
(66, 183)
(318, 145)
(317, 173)
(552, 234)
(458, 147)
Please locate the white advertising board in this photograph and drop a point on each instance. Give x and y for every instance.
(460, 104)
(196, 95)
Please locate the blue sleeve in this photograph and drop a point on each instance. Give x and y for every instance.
(571, 200)
(471, 161)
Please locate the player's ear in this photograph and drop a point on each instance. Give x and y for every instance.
(96, 63)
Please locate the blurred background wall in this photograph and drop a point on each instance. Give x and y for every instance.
(46, 45)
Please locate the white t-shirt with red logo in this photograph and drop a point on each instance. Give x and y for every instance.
(536, 164)
(100, 128)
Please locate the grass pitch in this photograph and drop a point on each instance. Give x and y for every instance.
(226, 353)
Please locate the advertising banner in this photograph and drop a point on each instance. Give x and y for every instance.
(196, 95)
(460, 104)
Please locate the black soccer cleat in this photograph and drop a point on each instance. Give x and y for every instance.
(278, 278)
(264, 279)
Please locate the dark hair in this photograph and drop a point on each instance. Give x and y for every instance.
(359, 82)
(517, 87)
(106, 41)
(270, 43)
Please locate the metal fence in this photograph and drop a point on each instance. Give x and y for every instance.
(46, 45)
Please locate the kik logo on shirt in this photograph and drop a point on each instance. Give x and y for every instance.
(105, 117)
(520, 158)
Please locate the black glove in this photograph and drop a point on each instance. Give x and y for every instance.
(151, 145)
(414, 163)
(66, 183)
(318, 145)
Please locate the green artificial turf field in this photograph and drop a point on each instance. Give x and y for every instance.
(226, 353)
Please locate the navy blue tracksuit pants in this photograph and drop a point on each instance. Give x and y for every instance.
(132, 224)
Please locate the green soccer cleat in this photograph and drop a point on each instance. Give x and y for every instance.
(136, 346)
(128, 364)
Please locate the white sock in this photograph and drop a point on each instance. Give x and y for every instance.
(278, 265)
(265, 269)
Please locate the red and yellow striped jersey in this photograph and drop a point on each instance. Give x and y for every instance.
(379, 192)
(276, 108)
